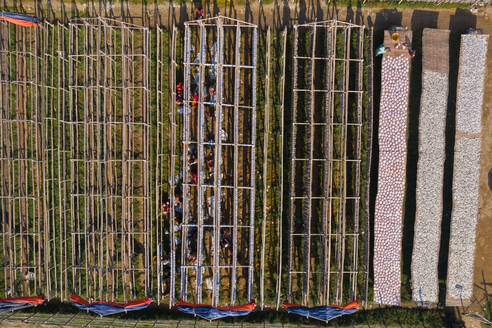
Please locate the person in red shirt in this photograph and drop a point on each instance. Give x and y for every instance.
(194, 102)
(194, 177)
(179, 93)
(212, 95)
(165, 208)
(199, 13)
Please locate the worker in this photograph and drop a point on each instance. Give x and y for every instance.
(208, 284)
(211, 205)
(223, 135)
(192, 154)
(194, 177)
(194, 173)
(211, 71)
(209, 112)
(196, 78)
(166, 207)
(181, 110)
(211, 91)
(214, 53)
(194, 102)
(197, 58)
(226, 239)
(166, 286)
(199, 13)
(178, 209)
(179, 93)
(192, 244)
(210, 162)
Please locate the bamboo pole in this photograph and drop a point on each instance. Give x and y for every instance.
(293, 167)
(252, 166)
(195, 194)
(173, 161)
(265, 170)
(159, 201)
(341, 163)
(326, 236)
(237, 72)
(281, 182)
(110, 193)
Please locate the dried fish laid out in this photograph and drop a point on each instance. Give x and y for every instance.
(466, 172)
(391, 178)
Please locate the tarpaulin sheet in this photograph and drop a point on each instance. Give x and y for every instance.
(17, 303)
(210, 312)
(106, 308)
(19, 19)
(325, 312)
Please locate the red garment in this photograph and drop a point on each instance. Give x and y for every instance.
(199, 13)
(195, 100)
(165, 208)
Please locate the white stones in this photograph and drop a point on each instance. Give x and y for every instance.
(391, 179)
(466, 173)
(430, 172)
(470, 83)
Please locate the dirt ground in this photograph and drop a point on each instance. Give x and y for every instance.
(279, 14)
(483, 255)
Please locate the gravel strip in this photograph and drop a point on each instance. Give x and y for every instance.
(391, 179)
(470, 83)
(464, 218)
(430, 172)
(466, 174)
